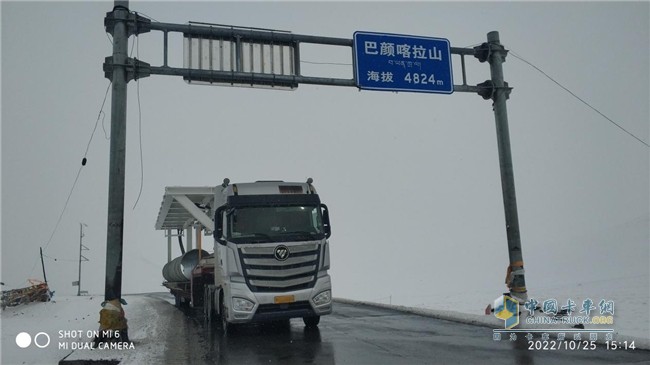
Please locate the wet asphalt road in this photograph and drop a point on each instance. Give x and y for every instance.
(357, 334)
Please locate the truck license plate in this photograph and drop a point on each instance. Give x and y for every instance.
(283, 299)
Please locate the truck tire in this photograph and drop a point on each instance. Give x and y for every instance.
(226, 327)
(177, 301)
(208, 312)
(311, 322)
(180, 302)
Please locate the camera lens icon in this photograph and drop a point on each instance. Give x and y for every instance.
(24, 339)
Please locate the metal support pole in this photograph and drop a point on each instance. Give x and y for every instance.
(165, 49)
(296, 59)
(112, 320)
(169, 245)
(81, 234)
(515, 275)
(115, 229)
(199, 230)
(188, 238)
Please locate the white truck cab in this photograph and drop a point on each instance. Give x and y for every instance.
(271, 254)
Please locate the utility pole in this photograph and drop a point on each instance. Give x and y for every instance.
(496, 55)
(81, 257)
(112, 319)
(42, 265)
(115, 228)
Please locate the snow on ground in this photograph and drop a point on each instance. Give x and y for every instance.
(79, 316)
(61, 314)
(631, 297)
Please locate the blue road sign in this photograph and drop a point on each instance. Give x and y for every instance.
(394, 62)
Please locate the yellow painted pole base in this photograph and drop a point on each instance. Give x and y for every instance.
(112, 323)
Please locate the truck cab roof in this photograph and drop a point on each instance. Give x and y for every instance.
(184, 205)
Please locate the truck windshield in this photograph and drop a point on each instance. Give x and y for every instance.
(274, 224)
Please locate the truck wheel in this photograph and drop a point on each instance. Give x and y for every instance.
(207, 305)
(177, 301)
(180, 302)
(226, 327)
(311, 322)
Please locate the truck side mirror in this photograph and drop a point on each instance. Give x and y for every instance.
(326, 221)
(218, 225)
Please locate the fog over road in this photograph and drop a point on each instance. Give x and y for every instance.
(358, 334)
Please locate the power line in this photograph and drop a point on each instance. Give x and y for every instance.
(109, 38)
(100, 114)
(83, 163)
(63, 260)
(147, 16)
(577, 97)
(74, 184)
(106, 136)
(132, 46)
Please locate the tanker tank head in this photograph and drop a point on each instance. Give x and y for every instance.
(310, 181)
(226, 181)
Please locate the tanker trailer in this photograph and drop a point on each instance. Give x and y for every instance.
(178, 275)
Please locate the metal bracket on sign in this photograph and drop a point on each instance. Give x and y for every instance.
(136, 24)
(135, 69)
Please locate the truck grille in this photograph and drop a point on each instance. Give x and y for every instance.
(264, 273)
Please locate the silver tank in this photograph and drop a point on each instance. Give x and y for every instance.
(180, 268)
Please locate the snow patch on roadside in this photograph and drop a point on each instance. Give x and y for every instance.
(484, 320)
(73, 314)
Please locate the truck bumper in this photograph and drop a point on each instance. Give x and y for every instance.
(266, 308)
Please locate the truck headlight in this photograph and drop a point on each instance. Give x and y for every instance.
(324, 297)
(242, 305)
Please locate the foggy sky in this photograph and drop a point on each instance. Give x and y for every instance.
(412, 180)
